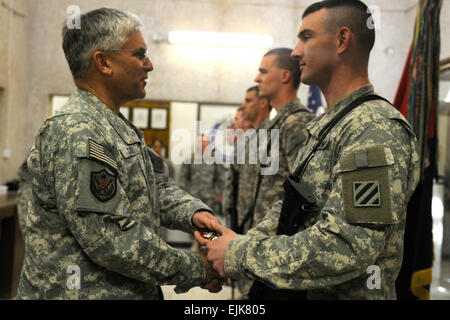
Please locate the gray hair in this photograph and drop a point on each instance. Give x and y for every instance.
(101, 29)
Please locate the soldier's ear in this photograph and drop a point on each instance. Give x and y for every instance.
(286, 76)
(263, 103)
(343, 39)
(102, 62)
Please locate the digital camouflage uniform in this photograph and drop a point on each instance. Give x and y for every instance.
(204, 181)
(246, 186)
(231, 171)
(99, 197)
(331, 254)
(248, 172)
(231, 188)
(291, 122)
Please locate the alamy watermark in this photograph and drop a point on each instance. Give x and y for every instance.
(74, 280)
(374, 281)
(374, 22)
(221, 151)
(73, 20)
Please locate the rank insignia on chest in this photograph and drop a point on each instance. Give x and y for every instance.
(366, 194)
(103, 185)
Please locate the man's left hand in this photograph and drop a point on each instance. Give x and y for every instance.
(215, 249)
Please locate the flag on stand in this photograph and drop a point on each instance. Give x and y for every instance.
(314, 99)
(417, 99)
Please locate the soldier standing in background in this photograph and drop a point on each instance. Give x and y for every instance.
(257, 111)
(231, 176)
(278, 82)
(203, 180)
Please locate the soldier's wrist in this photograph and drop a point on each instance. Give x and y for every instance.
(197, 211)
(235, 256)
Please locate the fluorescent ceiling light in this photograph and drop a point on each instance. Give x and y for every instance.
(215, 39)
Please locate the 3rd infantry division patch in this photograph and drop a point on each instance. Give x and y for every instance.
(366, 194)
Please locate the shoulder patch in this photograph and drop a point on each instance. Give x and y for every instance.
(366, 194)
(366, 186)
(103, 185)
(97, 152)
(98, 188)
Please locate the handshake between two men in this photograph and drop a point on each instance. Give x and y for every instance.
(213, 248)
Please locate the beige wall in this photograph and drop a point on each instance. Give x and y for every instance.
(39, 67)
(445, 29)
(14, 20)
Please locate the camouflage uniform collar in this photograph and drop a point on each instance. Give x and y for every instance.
(315, 125)
(125, 129)
(264, 124)
(286, 110)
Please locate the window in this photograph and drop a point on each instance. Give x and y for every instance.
(57, 102)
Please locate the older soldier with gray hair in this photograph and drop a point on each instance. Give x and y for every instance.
(99, 193)
(338, 233)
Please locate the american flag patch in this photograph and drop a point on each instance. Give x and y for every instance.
(97, 151)
(366, 194)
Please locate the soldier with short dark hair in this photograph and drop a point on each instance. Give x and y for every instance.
(261, 184)
(278, 81)
(256, 110)
(338, 233)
